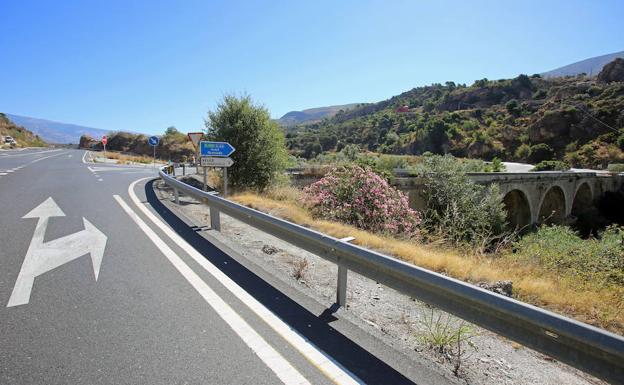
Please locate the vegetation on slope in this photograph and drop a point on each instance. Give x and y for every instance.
(22, 136)
(173, 145)
(530, 119)
(535, 278)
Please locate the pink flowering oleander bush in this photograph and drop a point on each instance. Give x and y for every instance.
(358, 196)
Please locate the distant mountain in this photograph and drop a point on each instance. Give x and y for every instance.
(56, 132)
(312, 114)
(591, 66)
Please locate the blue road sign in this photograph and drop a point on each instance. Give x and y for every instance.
(153, 141)
(215, 148)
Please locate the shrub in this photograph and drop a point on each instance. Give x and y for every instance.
(523, 152)
(357, 196)
(620, 142)
(496, 166)
(616, 167)
(551, 165)
(457, 209)
(512, 107)
(540, 152)
(260, 144)
(560, 249)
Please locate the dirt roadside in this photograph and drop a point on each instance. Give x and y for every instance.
(398, 320)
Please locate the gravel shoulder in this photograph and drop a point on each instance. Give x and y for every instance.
(398, 321)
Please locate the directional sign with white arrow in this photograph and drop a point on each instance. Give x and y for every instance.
(210, 161)
(43, 256)
(215, 148)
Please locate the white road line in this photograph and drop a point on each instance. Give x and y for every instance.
(271, 357)
(3, 173)
(100, 180)
(325, 363)
(31, 153)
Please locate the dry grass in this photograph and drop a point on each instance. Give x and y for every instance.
(125, 159)
(300, 269)
(594, 305)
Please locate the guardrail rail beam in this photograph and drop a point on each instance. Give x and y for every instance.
(585, 347)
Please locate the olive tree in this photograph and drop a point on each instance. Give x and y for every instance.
(260, 155)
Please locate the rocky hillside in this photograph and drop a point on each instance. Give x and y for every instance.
(22, 136)
(576, 119)
(174, 145)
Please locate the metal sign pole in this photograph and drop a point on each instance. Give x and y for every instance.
(225, 182)
(104, 150)
(154, 165)
(205, 178)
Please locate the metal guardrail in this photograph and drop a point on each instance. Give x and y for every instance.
(593, 350)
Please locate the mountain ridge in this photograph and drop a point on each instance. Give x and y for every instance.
(590, 66)
(310, 115)
(55, 132)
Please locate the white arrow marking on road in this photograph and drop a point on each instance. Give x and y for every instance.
(42, 257)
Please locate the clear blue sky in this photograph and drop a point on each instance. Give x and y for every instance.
(145, 65)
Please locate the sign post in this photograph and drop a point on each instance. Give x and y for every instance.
(104, 141)
(195, 137)
(216, 154)
(153, 141)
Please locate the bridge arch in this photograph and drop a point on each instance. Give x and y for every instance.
(518, 208)
(583, 198)
(553, 206)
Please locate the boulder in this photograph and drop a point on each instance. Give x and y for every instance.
(612, 72)
(501, 287)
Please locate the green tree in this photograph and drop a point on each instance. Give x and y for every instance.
(171, 131)
(620, 142)
(260, 155)
(512, 107)
(457, 209)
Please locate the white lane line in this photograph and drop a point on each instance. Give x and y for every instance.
(325, 363)
(100, 180)
(83, 157)
(31, 153)
(271, 357)
(3, 173)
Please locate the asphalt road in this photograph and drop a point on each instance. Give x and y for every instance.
(163, 310)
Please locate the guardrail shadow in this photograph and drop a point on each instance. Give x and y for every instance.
(367, 367)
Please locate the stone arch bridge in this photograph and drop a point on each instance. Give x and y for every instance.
(535, 197)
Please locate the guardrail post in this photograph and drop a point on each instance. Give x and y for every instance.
(176, 193)
(183, 169)
(341, 287)
(215, 220)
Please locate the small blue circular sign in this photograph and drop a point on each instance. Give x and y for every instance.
(153, 141)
